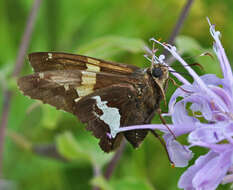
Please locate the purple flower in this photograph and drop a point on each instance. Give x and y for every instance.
(205, 113)
(212, 115)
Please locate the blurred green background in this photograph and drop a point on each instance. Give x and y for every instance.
(114, 30)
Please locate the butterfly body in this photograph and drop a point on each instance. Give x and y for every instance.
(104, 95)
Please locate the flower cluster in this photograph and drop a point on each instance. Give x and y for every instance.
(205, 113)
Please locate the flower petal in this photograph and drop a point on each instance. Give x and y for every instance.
(227, 99)
(180, 114)
(179, 154)
(177, 130)
(220, 52)
(211, 79)
(212, 173)
(218, 148)
(180, 92)
(187, 177)
(211, 133)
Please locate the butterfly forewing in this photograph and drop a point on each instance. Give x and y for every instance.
(44, 61)
(67, 86)
(56, 88)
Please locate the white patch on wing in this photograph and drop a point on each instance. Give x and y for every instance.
(94, 66)
(66, 86)
(87, 84)
(41, 75)
(50, 55)
(84, 90)
(94, 61)
(110, 116)
(77, 99)
(88, 78)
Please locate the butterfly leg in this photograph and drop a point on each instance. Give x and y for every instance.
(163, 144)
(156, 135)
(164, 122)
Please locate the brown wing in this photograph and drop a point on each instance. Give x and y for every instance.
(107, 110)
(70, 82)
(44, 61)
(63, 89)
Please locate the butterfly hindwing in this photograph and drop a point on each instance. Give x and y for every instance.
(108, 109)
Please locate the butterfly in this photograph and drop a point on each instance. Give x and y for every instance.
(102, 94)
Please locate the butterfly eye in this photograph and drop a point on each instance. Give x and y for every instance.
(157, 72)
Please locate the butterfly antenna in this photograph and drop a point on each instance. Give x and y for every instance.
(153, 58)
(175, 84)
(208, 54)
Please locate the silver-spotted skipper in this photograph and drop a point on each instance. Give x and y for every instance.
(104, 95)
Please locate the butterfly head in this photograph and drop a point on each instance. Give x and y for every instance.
(160, 75)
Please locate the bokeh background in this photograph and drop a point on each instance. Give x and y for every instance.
(49, 149)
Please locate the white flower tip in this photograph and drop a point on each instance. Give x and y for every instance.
(218, 34)
(151, 39)
(173, 48)
(161, 58)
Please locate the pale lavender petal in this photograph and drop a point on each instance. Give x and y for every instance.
(182, 128)
(177, 130)
(212, 173)
(220, 52)
(179, 154)
(211, 79)
(224, 96)
(218, 148)
(204, 108)
(202, 103)
(180, 115)
(225, 65)
(229, 128)
(227, 73)
(178, 76)
(180, 92)
(186, 179)
(211, 133)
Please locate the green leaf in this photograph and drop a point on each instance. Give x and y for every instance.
(84, 148)
(191, 46)
(109, 46)
(188, 45)
(5, 74)
(91, 144)
(101, 182)
(130, 183)
(210, 64)
(50, 116)
(70, 148)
